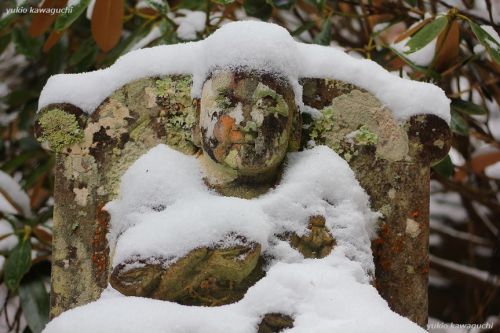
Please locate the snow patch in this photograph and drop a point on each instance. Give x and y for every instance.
(166, 210)
(235, 45)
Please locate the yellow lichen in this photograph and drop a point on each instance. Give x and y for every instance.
(60, 129)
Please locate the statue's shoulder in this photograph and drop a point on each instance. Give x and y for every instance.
(348, 116)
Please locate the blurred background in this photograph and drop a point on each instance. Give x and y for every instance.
(454, 45)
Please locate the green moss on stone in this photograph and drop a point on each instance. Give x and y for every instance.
(366, 137)
(323, 125)
(175, 94)
(60, 129)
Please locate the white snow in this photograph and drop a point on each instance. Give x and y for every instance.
(493, 171)
(190, 24)
(236, 45)
(155, 33)
(72, 3)
(90, 9)
(9, 242)
(492, 32)
(322, 295)
(321, 299)
(13, 196)
(198, 216)
(422, 57)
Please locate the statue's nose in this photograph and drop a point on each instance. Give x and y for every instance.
(226, 131)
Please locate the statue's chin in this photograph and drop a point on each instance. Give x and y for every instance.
(252, 170)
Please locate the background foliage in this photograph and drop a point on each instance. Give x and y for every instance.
(450, 43)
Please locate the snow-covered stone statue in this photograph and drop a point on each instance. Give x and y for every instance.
(250, 175)
(247, 124)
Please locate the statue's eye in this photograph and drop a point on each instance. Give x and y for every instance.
(267, 101)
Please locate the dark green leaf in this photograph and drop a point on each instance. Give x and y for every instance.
(6, 21)
(162, 8)
(306, 26)
(223, 2)
(458, 124)
(4, 42)
(34, 176)
(193, 4)
(17, 264)
(491, 45)
(86, 49)
(444, 167)
(20, 97)
(282, 4)
(258, 8)
(125, 45)
(429, 72)
(66, 19)
(26, 45)
(411, 2)
(325, 36)
(35, 303)
(320, 4)
(466, 107)
(425, 35)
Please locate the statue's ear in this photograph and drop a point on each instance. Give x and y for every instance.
(196, 131)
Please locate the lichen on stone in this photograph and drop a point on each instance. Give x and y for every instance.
(174, 94)
(60, 129)
(266, 98)
(366, 137)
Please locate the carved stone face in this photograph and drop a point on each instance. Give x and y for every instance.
(246, 121)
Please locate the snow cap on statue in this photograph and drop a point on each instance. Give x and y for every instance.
(252, 45)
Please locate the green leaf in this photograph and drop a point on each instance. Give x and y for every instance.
(491, 45)
(193, 4)
(444, 167)
(34, 176)
(6, 21)
(427, 34)
(26, 45)
(35, 303)
(258, 8)
(223, 2)
(85, 50)
(162, 8)
(282, 4)
(325, 35)
(304, 27)
(429, 72)
(458, 124)
(66, 19)
(4, 42)
(466, 107)
(17, 264)
(319, 4)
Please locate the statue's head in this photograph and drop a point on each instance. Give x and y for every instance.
(248, 121)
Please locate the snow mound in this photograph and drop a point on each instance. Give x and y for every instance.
(260, 46)
(165, 210)
(165, 185)
(322, 298)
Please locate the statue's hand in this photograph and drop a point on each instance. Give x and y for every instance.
(205, 276)
(317, 243)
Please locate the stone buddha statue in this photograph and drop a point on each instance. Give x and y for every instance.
(247, 124)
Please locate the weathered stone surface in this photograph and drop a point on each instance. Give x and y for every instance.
(205, 276)
(317, 243)
(241, 131)
(91, 156)
(391, 161)
(275, 323)
(248, 122)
